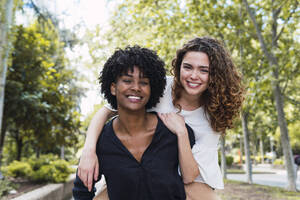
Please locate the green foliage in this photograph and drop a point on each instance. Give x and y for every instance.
(62, 171)
(6, 186)
(41, 97)
(18, 169)
(229, 160)
(47, 168)
(37, 163)
(56, 171)
(44, 174)
(294, 130)
(278, 162)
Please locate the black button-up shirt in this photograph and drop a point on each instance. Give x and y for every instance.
(154, 178)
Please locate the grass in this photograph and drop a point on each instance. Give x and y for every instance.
(236, 190)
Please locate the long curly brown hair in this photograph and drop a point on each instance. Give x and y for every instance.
(223, 98)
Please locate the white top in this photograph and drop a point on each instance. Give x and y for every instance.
(205, 150)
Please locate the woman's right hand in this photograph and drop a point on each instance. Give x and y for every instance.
(174, 122)
(88, 168)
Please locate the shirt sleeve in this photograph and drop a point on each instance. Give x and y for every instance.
(207, 159)
(109, 107)
(80, 192)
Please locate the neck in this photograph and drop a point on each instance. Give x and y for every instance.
(131, 123)
(189, 102)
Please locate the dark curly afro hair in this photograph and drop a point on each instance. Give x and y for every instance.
(123, 60)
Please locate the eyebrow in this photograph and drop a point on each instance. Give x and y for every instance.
(201, 66)
(129, 75)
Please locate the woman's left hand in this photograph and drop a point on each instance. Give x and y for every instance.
(174, 122)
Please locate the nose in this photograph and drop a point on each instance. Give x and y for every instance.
(135, 86)
(194, 74)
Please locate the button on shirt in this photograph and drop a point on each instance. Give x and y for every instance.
(155, 177)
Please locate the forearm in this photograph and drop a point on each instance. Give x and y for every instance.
(188, 165)
(95, 127)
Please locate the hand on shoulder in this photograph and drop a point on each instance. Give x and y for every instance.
(174, 122)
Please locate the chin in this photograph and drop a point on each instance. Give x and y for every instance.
(193, 92)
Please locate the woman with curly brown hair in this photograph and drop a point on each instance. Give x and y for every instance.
(206, 92)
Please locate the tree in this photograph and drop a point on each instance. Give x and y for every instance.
(165, 25)
(42, 90)
(223, 157)
(268, 49)
(6, 21)
(246, 146)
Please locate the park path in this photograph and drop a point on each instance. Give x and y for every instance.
(278, 177)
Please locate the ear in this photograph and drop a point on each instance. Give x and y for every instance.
(113, 89)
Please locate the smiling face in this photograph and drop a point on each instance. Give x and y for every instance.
(194, 73)
(132, 90)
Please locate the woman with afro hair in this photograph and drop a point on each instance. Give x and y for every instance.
(206, 92)
(137, 152)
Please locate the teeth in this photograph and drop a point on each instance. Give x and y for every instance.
(194, 84)
(134, 97)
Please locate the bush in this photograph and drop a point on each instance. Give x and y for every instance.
(57, 171)
(229, 160)
(62, 170)
(37, 163)
(6, 186)
(47, 168)
(44, 174)
(18, 169)
(278, 162)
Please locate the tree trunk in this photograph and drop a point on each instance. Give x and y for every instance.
(285, 141)
(2, 138)
(254, 151)
(19, 142)
(261, 146)
(272, 149)
(247, 147)
(223, 157)
(284, 135)
(4, 47)
(6, 14)
(62, 152)
(241, 150)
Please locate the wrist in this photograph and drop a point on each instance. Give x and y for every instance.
(182, 133)
(89, 148)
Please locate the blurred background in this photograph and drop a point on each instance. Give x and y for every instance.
(52, 52)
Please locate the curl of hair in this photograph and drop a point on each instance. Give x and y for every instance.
(223, 98)
(123, 60)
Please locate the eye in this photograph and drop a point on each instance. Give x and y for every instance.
(204, 70)
(144, 83)
(187, 67)
(126, 80)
